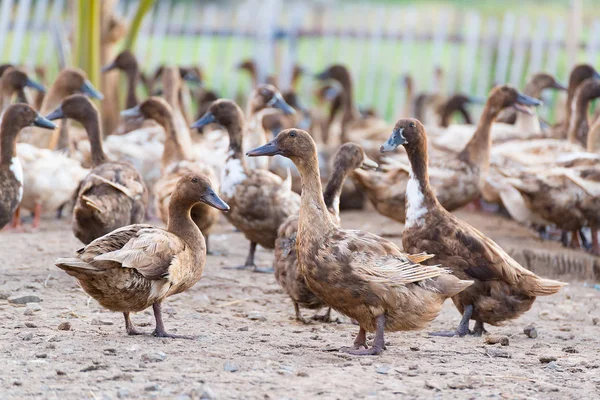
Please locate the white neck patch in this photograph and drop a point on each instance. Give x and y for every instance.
(415, 202)
(17, 170)
(231, 175)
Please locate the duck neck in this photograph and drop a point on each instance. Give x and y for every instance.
(334, 187)
(132, 74)
(8, 142)
(236, 131)
(173, 151)
(348, 111)
(181, 224)
(578, 120)
(534, 90)
(477, 151)
(314, 216)
(420, 198)
(6, 93)
(91, 125)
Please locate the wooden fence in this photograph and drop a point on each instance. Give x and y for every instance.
(380, 44)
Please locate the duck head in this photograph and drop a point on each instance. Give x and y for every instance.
(336, 72)
(155, 108)
(579, 74)
(77, 107)
(293, 143)
(543, 81)
(125, 61)
(505, 96)
(247, 65)
(407, 132)
(267, 96)
(223, 112)
(21, 115)
(15, 79)
(74, 80)
(351, 156)
(195, 188)
(191, 74)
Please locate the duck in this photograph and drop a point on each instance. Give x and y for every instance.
(502, 290)
(113, 194)
(12, 81)
(15, 118)
(534, 88)
(176, 163)
(260, 201)
(349, 156)
(357, 273)
(138, 266)
(457, 178)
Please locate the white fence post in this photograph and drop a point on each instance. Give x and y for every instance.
(39, 14)
(518, 61)
(487, 54)
(504, 44)
(468, 67)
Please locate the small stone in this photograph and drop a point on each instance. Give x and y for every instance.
(207, 393)
(51, 346)
(123, 393)
(17, 383)
(41, 355)
(24, 299)
(570, 349)
(595, 321)
(243, 329)
(383, 369)
(4, 295)
(30, 325)
(67, 351)
(413, 367)
(110, 352)
(256, 316)
(497, 352)
(545, 359)
(64, 326)
(432, 385)
(96, 321)
(183, 396)
(495, 339)
(530, 331)
(414, 348)
(34, 306)
(28, 312)
(552, 365)
(230, 367)
(60, 373)
(302, 374)
(152, 388)
(153, 357)
(27, 336)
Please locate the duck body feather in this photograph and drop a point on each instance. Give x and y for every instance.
(11, 191)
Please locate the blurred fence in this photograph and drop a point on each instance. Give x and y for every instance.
(379, 43)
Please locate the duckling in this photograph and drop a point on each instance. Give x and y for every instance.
(349, 157)
(113, 194)
(503, 289)
(457, 179)
(359, 274)
(136, 266)
(534, 88)
(15, 118)
(260, 200)
(175, 163)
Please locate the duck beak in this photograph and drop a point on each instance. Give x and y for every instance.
(368, 163)
(206, 119)
(330, 93)
(108, 67)
(133, 112)
(558, 86)
(596, 75)
(476, 100)
(278, 102)
(395, 140)
(34, 85)
(269, 149)
(43, 123)
(523, 102)
(213, 200)
(323, 75)
(56, 114)
(192, 78)
(89, 89)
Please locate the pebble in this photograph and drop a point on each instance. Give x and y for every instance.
(4, 295)
(110, 352)
(152, 388)
(64, 326)
(414, 348)
(123, 393)
(30, 298)
(96, 321)
(60, 373)
(545, 359)
(432, 385)
(27, 336)
(495, 339)
(230, 367)
(595, 321)
(28, 312)
(30, 325)
(256, 316)
(41, 355)
(383, 369)
(34, 307)
(208, 393)
(530, 331)
(570, 349)
(153, 357)
(497, 352)
(302, 374)
(243, 329)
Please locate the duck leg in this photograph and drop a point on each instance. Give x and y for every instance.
(359, 342)
(595, 245)
(37, 215)
(16, 220)
(159, 331)
(299, 317)
(129, 325)
(584, 241)
(574, 244)
(325, 318)
(378, 343)
(463, 327)
(564, 238)
(478, 329)
(249, 264)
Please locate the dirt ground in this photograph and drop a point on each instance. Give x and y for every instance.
(249, 347)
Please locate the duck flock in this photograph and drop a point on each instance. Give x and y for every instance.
(264, 168)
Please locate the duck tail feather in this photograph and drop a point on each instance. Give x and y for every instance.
(536, 286)
(74, 266)
(449, 285)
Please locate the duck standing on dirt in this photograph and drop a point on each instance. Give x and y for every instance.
(503, 289)
(138, 266)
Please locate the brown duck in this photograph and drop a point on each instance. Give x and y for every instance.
(503, 289)
(15, 118)
(114, 193)
(349, 157)
(138, 266)
(260, 201)
(357, 273)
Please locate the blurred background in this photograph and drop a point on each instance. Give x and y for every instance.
(445, 46)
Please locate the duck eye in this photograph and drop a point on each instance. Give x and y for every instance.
(195, 180)
(412, 125)
(292, 134)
